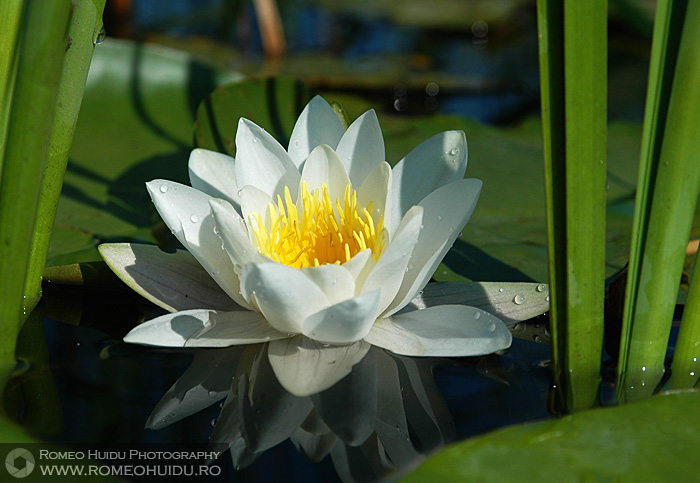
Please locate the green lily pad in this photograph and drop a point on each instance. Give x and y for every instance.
(136, 125)
(646, 441)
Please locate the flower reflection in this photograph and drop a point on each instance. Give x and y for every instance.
(362, 422)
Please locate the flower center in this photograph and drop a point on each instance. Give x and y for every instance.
(319, 233)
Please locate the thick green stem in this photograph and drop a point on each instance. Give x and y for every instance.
(573, 52)
(85, 26)
(42, 45)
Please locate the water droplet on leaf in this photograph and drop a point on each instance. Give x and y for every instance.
(541, 287)
(518, 299)
(163, 188)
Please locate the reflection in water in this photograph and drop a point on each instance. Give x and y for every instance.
(378, 422)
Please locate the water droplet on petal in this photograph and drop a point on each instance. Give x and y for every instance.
(216, 230)
(296, 143)
(477, 315)
(492, 327)
(194, 218)
(439, 217)
(541, 287)
(255, 140)
(454, 152)
(163, 188)
(500, 290)
(212, 393)
(518, 299)
(213, 422)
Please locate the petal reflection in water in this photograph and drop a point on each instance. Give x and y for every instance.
(376, 422)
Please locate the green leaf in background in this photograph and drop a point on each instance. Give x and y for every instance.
(136, 125)
(651, 440)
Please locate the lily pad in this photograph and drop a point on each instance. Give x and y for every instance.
(136, 125)
(644, 441)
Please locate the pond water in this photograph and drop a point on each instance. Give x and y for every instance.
(81, 387)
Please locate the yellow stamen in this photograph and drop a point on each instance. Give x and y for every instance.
(320, 232)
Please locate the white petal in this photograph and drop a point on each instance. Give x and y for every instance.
(285, 296)
(445, 212)
(206, 381)
(173, 281)
(335, 280)
(224, 329)
(345, 322)
(215, 329)
(318, 124)
(511, 302)
(215, 174)
(234, 234)
(262, 162)
(324, 167)
(359, 267)
(362, 147)
(306, 367)
(254, 200)
(375, 189)
(435, 162)
(388, 274)
(443, 331)
(187, 213)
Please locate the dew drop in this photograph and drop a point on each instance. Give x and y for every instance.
(644, 369)
(213, 423)
(255, 140)
(212, 393)
(163, 188)
(101, 36)
(216, 230)
(194, 218)
(477, 315)
(546, 299)
(492, 327)
(439, 217)
(541, 287)
(334, 281)
(241, 121)
(296, 143)
(500, 290)
(454, 151)
(518, 299)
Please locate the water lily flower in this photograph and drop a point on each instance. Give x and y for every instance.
(316, 248)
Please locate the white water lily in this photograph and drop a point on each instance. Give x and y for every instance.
(322, 245)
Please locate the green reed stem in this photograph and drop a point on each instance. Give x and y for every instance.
(573, 53)
(685, 370)
(41, 48)
(85, 26)
(668, 190)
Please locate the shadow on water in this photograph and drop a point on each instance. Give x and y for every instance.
(477, 265)
(127, 197)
